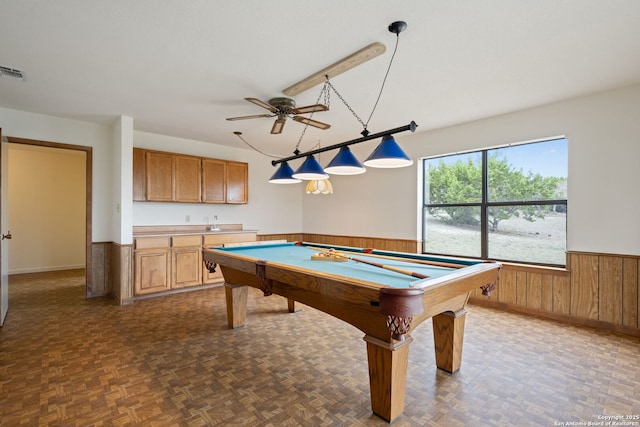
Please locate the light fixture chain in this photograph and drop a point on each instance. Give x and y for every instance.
(345, 103)
(304, 129)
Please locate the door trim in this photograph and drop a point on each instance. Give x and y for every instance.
(88, 195)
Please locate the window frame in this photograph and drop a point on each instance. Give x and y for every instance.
(484, 205)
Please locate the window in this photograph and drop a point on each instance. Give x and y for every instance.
(507, 203)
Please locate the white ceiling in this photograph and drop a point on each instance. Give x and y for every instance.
(181, 67)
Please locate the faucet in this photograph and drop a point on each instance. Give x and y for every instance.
(214, 227)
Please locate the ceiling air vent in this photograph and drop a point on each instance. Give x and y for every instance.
(10, 73)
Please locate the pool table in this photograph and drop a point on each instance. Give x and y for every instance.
(384, 294)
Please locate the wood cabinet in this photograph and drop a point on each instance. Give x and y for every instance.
(209, 277)
(152, 265)
(168, 177)
(214, 174)
(188, 179)
(174, 262)
(159, 176)
(139, 175)
(237, 178)
(186, 261)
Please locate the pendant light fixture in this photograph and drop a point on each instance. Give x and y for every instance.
(284, 175)
(388, 154)
(345, 163)
(310, 169)
(319, 186)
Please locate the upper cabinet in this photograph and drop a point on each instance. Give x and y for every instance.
(213, 181)
(188, 178)
(168, 177)
(159, 177)
(139, 175)
(237, 178)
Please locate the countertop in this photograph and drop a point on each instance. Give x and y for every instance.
(187, 230)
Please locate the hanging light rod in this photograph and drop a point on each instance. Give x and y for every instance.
(411, 126)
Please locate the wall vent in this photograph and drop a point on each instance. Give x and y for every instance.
(11, 73)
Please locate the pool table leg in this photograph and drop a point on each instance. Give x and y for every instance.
(236, 296)
(448, 334)
(291, 305)
(387, 375)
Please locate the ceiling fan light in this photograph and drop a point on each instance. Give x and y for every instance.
(388, 154)
(283, 175)
(345, 163)
(319, 186)
(310, 169)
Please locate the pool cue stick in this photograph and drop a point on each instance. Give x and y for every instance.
(398, 258)
(374, 264)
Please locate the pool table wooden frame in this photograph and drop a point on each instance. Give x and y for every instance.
(358, 303)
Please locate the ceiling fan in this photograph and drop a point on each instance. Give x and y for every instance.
(282, 108)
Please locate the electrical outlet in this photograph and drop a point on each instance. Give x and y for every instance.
(187, 218)
(215, 217)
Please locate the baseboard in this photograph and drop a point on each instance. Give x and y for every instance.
(46, 269)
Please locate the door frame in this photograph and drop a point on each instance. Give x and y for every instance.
(88, 196)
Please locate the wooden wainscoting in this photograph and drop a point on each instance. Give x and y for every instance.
(398, 245)
(290, 237)
(122, 272)
(599, 290)
(99, 282)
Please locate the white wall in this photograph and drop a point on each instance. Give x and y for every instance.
(603, 208)
(271, 208)
(603, 199)
(46, 198)
(22, 124)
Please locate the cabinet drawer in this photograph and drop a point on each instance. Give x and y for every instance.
(151, 242)
(220, 239)
(184, 241)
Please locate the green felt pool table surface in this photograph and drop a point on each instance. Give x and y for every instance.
(299, 255)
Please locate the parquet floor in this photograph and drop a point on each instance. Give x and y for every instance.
(171, 361)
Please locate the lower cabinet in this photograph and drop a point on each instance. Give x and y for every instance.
(209, 277)
(175, 262)
(152, 266)
(186, 261)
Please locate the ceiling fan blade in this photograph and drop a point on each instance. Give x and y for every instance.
(278, 125)
(345, 64)
(262, 104)
(309, 109)
(310, 122)
(257, 116)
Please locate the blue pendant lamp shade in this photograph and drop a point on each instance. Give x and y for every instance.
(345, 163)
(284, 175)
(310, 169)
(388, 155)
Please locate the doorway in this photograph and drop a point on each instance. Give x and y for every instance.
(87, 196)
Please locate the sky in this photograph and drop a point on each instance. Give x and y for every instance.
(547, 158)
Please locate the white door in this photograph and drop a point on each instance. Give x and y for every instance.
(4, 247)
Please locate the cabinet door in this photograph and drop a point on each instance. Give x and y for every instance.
(139, 175)
(213, 180)
(160, 182)
(152, 271)
(208, 277)
(237, 182)
(186, 264)
(187, 179)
